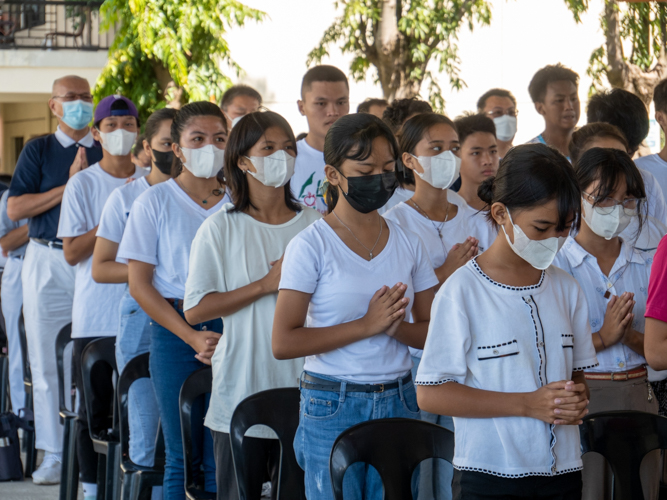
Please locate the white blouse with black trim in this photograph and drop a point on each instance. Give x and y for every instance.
(496, 337)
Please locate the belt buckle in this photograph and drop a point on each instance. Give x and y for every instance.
(381, 388)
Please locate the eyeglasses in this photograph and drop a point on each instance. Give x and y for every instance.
(71, 96)
(498, 112)
(605, 206)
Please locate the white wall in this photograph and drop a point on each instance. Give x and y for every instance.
(524, 36)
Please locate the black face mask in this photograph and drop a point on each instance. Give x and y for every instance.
(163, 161)
(370, 192)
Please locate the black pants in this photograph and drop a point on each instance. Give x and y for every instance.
(102, 418)
(468, 485)
(262, 458)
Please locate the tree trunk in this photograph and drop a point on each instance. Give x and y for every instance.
(172, 93)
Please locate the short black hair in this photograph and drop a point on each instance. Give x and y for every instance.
(531, 175)
(351, 138)
(322, 73)
(598, 130)
(247, 132)
(412, 132)
(237, 90)
(365, 106)
(624, 110)
(481, 103)
(468, 124)
(400, 110)
(660, 96)
(549, 74)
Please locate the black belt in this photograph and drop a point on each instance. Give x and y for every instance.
(177, 303)
(318, 384)
(48, 243)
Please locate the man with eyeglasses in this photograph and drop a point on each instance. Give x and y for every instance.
(43, 168)
(500, 106)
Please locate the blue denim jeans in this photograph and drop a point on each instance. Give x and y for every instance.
(134, 339)
(171, 362)
(435, 475)
(324, 415)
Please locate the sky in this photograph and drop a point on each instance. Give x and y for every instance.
(524, 36)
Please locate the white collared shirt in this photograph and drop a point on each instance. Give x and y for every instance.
(66, 141)
(655, 225)
(630, 273)
(500, 338)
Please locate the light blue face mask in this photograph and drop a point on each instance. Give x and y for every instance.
(77, 114)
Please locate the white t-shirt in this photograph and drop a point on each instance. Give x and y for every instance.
(117, 210)
(95, 308)
(655, 226)
(656, 166)
(232, 250)
(484, 231)
(499, 338)
(306, 183)
(162, 224)
(342, 284)
(399, 196)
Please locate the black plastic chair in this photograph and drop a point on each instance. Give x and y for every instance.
(136, 481)
(28, 436)
(279, 410)
(106, 444)
(623, 438)
(196, 385)
(69, 473)
(395, 447)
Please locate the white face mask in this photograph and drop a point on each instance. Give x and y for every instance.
(119, 142)
(440, 171)
(607, 226)
(505, 127)
(204, 162)
(538, 253)
(274, 170)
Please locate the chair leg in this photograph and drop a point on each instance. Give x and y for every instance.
(101, 477)
(69, 476)
(30, 453)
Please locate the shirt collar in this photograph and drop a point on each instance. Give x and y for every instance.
(576, 254)
(66, 141)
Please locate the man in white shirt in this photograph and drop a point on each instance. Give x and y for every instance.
(325, 97)
(238, 101)
(657, 163)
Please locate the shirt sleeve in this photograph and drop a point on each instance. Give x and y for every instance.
(447, 343)
(72, 212)
(656, 304)
(140, 239)
(27, 175)
(301, 264)
(655, 194)
(583, 356)
(423, 276)
(6, 224)
(206, 273)
(112, 221)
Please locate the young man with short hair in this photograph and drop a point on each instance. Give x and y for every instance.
(500, 106)
(238, 101)
(325, 97)
(554, 90)
(373, 106)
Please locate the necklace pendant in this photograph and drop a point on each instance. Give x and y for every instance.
(204, 202)
(607, 294)
(371, 256)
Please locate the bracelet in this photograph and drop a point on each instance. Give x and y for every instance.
(601, 341)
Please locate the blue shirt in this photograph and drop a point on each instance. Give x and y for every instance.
(43, 165)
(7, 225)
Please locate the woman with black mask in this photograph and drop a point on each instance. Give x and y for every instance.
(352, 278)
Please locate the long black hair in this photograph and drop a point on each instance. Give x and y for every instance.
(609, 167)
(411, 133)
(250, 129)
(531, 175)
(184, 116)
(351, 138)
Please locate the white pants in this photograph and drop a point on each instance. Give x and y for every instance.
(11, 294)
(48, 293)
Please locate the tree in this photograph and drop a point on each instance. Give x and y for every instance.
(642, 27)
(399, 38)
(167, 52)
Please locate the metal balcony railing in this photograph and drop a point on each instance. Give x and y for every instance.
(52, 25)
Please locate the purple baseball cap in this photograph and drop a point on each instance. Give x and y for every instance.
(115, 105)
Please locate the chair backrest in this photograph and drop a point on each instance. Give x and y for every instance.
(64, 337)
(196, 385)
(279, 410)
(135, 369)
(394, 447)
(623, 438)
(98, 351)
